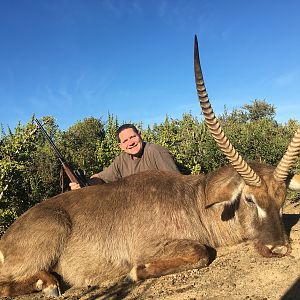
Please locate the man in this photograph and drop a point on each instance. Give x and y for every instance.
(137, 156)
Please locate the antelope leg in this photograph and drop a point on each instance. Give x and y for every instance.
(177, 255)
(42, 281)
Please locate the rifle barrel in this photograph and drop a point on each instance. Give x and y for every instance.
(61, 158)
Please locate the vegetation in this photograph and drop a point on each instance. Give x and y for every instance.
(30, 171)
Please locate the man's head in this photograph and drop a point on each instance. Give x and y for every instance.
(130, 140)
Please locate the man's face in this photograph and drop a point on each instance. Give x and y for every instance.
(130, 141)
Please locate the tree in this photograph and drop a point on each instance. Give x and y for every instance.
(80, 144)
(46, 167)
(15, 186)
(259, 109)
(29, 168)
(107, 148)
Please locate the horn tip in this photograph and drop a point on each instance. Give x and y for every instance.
(196, 41)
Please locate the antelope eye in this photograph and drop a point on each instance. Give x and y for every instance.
(249, 200)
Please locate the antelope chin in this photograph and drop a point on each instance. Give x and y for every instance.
(273, 251)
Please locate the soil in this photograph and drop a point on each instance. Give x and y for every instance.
(237, 272)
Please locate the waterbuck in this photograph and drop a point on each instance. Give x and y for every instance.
(149, 224)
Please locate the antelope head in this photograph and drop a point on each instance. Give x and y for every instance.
(259, 188)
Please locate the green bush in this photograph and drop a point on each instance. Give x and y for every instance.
(30, 170)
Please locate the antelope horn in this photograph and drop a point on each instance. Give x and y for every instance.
(239, 164)
(284, 166)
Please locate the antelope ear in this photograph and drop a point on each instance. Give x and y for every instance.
(223, 189)
(294, 183)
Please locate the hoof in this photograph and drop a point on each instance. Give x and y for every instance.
(128, 280)
(52, 291)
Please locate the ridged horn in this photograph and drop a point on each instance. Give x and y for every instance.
(239, 164)
(282, 170)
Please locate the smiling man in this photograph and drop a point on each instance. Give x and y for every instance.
(137, 156)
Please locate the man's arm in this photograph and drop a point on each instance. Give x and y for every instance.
(109, 174)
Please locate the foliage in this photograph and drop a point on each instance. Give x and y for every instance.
(185, 139)
(80, 144)
(30, 168)
(45, 167)
(260, 109)
(257, 110)
(15, 184)
(107, 148)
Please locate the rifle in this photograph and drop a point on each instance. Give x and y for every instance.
(76, 176)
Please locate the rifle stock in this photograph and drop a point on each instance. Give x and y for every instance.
(72, 175)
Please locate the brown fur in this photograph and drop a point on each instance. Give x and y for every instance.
(15, 288)
(102, 232)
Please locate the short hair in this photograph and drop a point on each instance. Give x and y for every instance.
(125, 126)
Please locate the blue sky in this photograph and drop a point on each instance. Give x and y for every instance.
(73, 59)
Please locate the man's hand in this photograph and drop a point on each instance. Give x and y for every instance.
(74, 186)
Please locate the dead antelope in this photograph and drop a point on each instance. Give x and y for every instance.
(149, 224)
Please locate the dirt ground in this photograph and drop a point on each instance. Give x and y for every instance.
(237, 272)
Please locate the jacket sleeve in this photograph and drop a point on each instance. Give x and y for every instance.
(109, 174)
